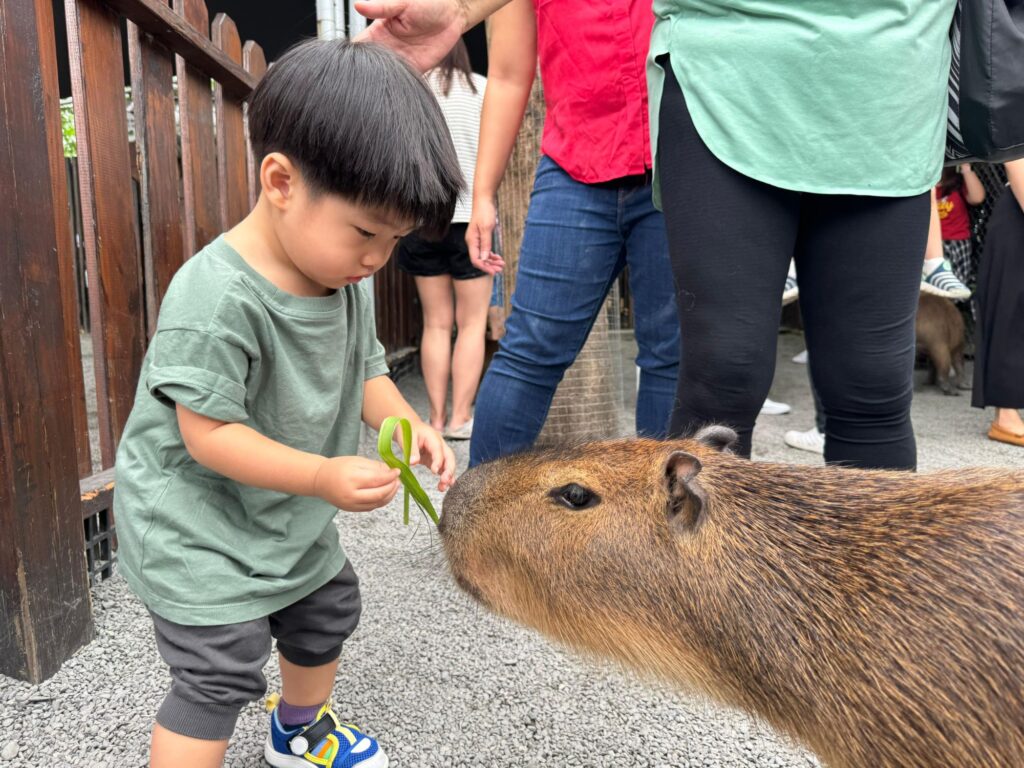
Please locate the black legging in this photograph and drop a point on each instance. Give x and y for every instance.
(859, 262)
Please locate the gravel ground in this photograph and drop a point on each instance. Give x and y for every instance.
(440, 682)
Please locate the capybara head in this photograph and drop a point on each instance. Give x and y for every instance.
(579, 549)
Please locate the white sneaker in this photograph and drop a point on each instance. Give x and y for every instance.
(465, 432)
(801, 358)
(812, 440)
(772, 408)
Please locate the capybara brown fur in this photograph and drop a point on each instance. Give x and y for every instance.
(940, 336)
(877, 617)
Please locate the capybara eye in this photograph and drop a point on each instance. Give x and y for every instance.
(575, 496)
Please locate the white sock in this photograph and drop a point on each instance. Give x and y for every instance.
(930, 265)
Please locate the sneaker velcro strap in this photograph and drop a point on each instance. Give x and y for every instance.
(303, 742)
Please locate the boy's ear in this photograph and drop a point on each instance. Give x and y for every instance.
(686, 496)
(277, 179)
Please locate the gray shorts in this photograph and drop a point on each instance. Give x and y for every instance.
(216, 670)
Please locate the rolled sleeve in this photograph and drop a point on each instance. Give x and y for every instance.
(201, 372)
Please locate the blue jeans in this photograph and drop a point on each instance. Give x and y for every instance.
(578, 238)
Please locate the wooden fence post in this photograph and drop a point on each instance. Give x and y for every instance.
(108, 214)
(255, 63)
(160, 195)
(45, 612)
(232, 156)
(198, 148)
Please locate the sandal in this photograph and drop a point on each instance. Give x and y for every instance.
(1001, 435)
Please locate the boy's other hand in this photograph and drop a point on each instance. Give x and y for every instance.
(355, 484)
(428, 444)
(423, 31)
(480, 237)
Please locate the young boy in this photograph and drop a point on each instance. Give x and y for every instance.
(240, 447)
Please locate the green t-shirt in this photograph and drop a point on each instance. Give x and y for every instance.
(824, 96)
(199, 548)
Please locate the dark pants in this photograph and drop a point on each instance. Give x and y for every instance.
(216, 670)
(859, 263)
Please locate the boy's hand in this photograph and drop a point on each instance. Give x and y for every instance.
(428, 443)
(355, 484)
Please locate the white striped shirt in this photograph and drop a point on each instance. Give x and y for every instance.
(461, 108)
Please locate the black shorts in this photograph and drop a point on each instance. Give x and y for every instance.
(449, 256)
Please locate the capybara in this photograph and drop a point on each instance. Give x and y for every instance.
(940, 336)
(877, 617)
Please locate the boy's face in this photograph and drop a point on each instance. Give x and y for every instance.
(332, 241)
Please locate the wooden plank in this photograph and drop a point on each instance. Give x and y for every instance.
(108, 214)
(97, 492)
(66, 274)
(156, 18)
(44, 600)
(163, 232)
(232, 162)
(198, 150)
(255, 63)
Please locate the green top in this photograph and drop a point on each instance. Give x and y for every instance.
(199, 548)
(824, 96)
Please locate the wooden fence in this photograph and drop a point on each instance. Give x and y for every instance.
(49, 497)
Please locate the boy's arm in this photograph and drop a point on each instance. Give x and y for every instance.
(382, 399)
(244, 455)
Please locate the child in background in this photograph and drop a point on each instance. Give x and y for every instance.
(240, 447)
(950, 273)
(443, 268)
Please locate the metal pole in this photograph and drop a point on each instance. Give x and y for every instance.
(356, 22)
(326, 20)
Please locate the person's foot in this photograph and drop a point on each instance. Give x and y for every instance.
(462, 432)
(800, 358)
(325, 742)
(791, 292)
(1007, 427)
(772, 408)
(1003, 435)
(942, 282)
(811, 441)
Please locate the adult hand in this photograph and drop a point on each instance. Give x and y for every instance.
(423, 31)
(356, 484)
(480, 237)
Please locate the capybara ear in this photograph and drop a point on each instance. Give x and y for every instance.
(686, 496)
(718, 436)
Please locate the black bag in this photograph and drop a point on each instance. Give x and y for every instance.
(986, 82)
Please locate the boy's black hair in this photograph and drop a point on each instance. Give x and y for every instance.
(361, 123)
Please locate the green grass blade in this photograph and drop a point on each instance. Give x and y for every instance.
(408, 479)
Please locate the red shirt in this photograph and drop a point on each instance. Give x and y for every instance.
(593, 68)
(953, 216)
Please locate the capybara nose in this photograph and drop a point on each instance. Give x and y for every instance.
(460, 498)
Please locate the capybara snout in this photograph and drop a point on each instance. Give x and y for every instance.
(878, 617)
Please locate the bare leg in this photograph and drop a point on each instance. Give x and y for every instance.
(436, 346)
(306, 686)
(472, 298)
(172, 750)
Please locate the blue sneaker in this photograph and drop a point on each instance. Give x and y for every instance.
(325, 742)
